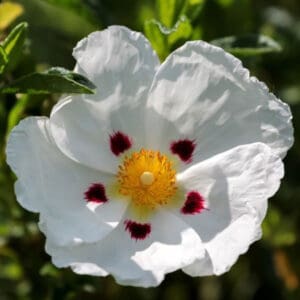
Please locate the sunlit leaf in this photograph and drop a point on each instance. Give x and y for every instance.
(13, 44)
(164, 38)
(9, 11)
(193, 8)
(248, 45)
(169, 11)
(3, 59)
(181, 31)
(54, 80)
(155, 32)
(16, 112)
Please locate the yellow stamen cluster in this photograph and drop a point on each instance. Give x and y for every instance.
(148, 178)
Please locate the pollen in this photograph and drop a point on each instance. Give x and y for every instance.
(147, 178)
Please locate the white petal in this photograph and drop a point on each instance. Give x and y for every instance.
(235, 185)
(122, 65)
(201, 267)
(171, 245)
(52, 184)
(204, 93)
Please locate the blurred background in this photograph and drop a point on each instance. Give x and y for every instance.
(271, 268)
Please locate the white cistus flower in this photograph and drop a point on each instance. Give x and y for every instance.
(167, 166)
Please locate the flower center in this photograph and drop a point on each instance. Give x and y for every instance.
(148, 178)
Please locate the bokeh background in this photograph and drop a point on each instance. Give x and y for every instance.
(271, 267)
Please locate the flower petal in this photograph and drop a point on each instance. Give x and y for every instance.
(122, 64)
(204, 93)
(171, 245)
(52, 184)
(201, 267)
(235, 186)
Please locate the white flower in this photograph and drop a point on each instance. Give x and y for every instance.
(167, 167)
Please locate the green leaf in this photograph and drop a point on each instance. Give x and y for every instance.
(248, 45)
(279, 230)
(16, 112)
(3, 59)
(181, 31)
(49, 270)
(193, 8)
(164, 38)
(77, 6)
(169, 11)
(54, 80)
(155, 32)
(225, 3)
(13, 45)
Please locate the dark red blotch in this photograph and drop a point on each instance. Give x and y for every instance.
(137, 231)
(184, 149)
(119, 142)
(96, 193)
(194, 204)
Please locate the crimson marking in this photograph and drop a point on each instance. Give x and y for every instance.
(96, 193)
(137, 231)
(119, 142)
(184, 149)
(194, 204)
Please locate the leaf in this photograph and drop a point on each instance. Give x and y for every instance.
(49, 270)
(55, 80)
(181, 31)
(248, 45)
(77, 6)
(155, 32)
(9, 11)
(225, 3)
(279, 230)
(13, 44)
(193, 8)
(163, 38)
(16, 112)
(169, 11)
(3, 59)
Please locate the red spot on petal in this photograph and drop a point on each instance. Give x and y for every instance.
(184, 149)
(137, 231)
(119, 142)
(96, 193)
(194, 204)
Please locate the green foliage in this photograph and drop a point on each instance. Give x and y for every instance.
(75, 5)
(193, 8)
(181, 32)
(154, 32)
(3, 59)
(13, 45)
(278, 230)
(169, 11)
(173, 25)
(163, 38)
(17, 112)
(55, 26)
(248, 45)
(54, 80)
